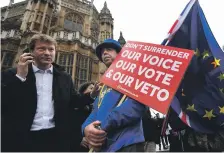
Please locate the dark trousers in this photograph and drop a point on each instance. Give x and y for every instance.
(43, 141)
(138, 147)
(176, 144)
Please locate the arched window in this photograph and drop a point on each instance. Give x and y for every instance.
(82, 66)
(66, 61)
(108, 35)
(7, 59)
(90, 69)
(73, 22)
(103, 36)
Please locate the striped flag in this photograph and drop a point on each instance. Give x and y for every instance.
(199, 101)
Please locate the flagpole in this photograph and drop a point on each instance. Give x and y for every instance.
(165, 122)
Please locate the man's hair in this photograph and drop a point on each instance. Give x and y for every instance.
(84, 86)
(41, 38)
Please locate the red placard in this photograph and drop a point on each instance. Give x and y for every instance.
(148, 73)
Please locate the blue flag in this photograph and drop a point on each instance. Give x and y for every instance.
(199, 101)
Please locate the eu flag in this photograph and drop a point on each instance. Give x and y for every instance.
(199, 101)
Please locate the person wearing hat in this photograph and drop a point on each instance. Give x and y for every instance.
(115, 123)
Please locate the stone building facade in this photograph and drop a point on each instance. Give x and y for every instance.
(77, 26)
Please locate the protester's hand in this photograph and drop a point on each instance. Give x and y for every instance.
(22, 67)
(96, 90)
(94, 136)
(84, 143)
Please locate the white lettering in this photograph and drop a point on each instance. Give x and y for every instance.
(124, 53)
(132, 68)
(186, 55)
(141, 70)
(154, 90)
(137, 56)
(152, 73)
(129, 81)
(151, 62)
(176, 66)
(146, 57)
(167, 78)
(145, 88)
(116, 76)
(159, 75)
(138, 85)
(163, 92)
(164, 63)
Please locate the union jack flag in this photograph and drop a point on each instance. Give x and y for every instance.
(199, 101)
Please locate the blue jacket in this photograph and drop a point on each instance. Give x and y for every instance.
(123, 124)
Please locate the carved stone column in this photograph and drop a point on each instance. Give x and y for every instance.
(26, 16)
(43, 18)
(35, 15)
(49, 24)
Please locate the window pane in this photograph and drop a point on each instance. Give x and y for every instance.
(8, 60)
(70, 70)
(70, 60)
(62, 59)
(90, 70)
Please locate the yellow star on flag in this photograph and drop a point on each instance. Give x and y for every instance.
(191, 108)
(221, 110)
(216, 62)
(221, 90)
(221, 76)
(197, 53)
(209, 114)
(205, 54)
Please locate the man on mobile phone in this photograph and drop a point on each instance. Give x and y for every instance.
(37, 101)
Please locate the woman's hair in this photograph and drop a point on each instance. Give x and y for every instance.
(84, 86)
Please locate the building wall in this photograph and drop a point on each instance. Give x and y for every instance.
(74, 24)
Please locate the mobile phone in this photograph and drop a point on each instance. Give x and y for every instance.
(27, 50)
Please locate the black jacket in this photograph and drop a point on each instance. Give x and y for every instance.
(19, 104)
(150, 126)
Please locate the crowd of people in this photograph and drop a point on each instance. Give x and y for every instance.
(41, 111)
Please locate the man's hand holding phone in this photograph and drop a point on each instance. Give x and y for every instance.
(22, 66)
